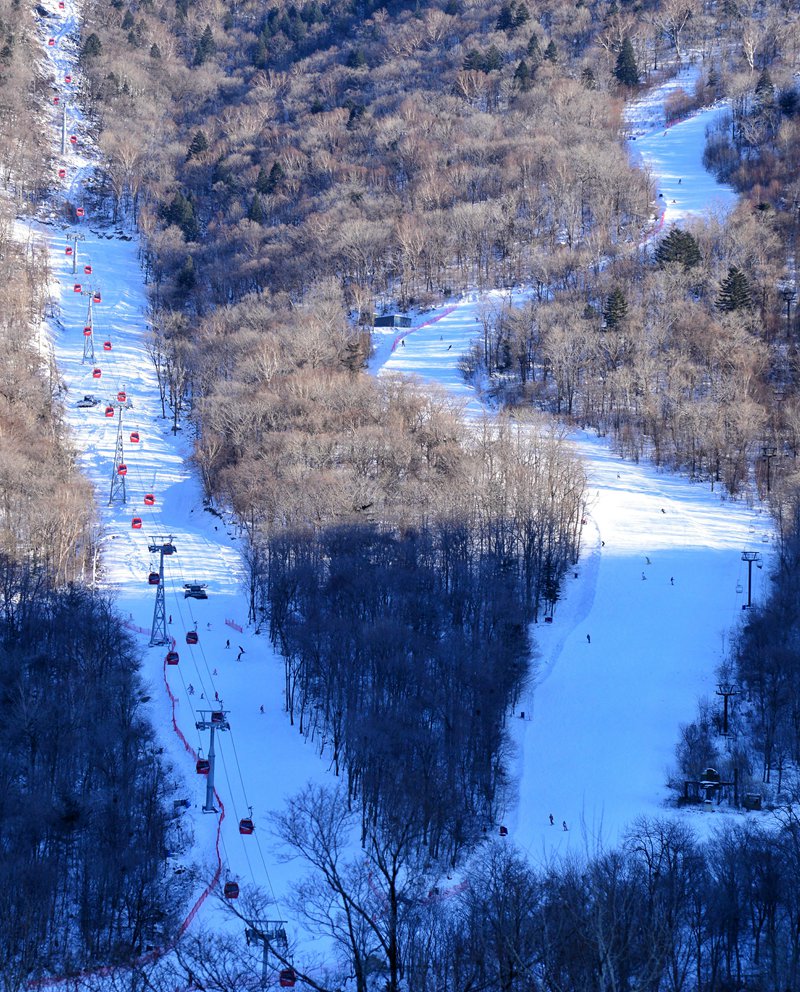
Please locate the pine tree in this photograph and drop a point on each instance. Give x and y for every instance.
(473, 61)
(198, 145)
(551, 52)
(186, 278)
(734, 291)
(522, 15)
(256, 211)
(522, 76)
(505, 19)
(626, 71)
(588, 77)
(127, 21)
(155, 51)
(679, 246)
(765, 89)
(533, 50)
(616, 309)
(356, 59)
(205, 47)
(493, 60)
(275, 178)
(91, 47)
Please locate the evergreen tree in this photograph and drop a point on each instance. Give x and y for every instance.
(256, 211)
(473, 60)
(127, 21)
(186, 279)
(198, 145)
(551, 52)
(493, 60)
(356, 59)
(616, 309)
(533, 50)
(765, 89)
(181, 213)
(522, 15)
(275, 178)
(155, 51)
(679, 246)
(522, 76)
(91, 47)
(734, 291)
(588, 78)
(626, 71)
(505, 19)
(205, 47)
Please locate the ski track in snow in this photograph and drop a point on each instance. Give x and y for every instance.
(605, 714)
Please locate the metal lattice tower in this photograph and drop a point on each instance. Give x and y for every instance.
(217, 720)
(118, 494)
(158, 632)
(75, 238)
(271, 934)
(88, 339)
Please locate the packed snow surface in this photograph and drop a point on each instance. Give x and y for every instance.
(655, 590)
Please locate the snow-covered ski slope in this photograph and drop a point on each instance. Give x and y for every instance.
(642, 626)
(674, 152)
(262, 759)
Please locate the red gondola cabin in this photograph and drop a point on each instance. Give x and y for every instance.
(286, 978)
(149, 499)
(97, 373)
(87, 332)
(109, 411)
(173, 658)
(73, 139)
(203, 766)
(217, 716)
(246, 826)
(68, 250)
(51, 42)
(61, 175)
(121, 396)
(122, 470)
(153, 579)
(191, 637)
(77, 288)
(231, 890)
(96, 297)
(134, 437)
(55, 100)
(67, 79)
(87, 268)
(136, 523)
(106, 346)
(79, 212)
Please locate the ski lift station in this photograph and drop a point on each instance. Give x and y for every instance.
(391, 320)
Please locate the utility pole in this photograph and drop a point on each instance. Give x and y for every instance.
(726, 690)
(158, 632)
(750, 557)
(119, 469)
(768, 451)
(217, 720)
(266, 933)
